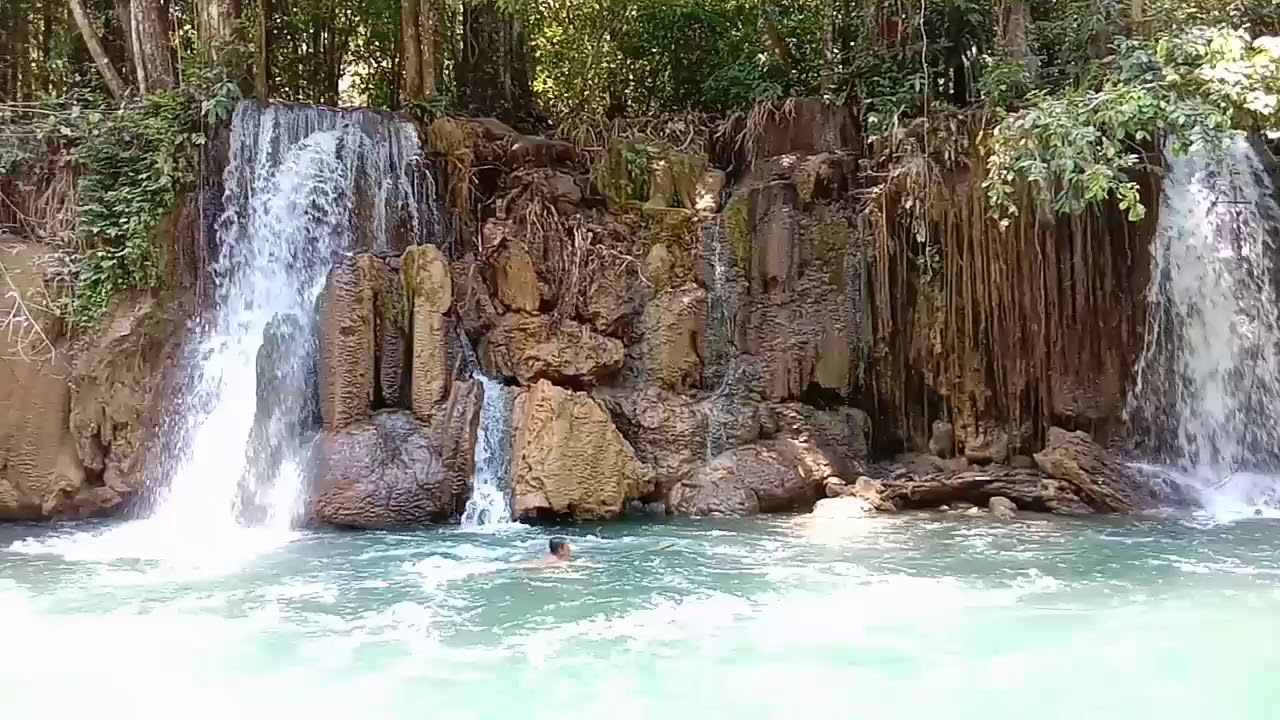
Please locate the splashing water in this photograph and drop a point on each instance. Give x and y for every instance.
(1208, 380)
(302, 184)
(490, 503)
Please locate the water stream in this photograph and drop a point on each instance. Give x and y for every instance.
(1207, 384)
(490, 501)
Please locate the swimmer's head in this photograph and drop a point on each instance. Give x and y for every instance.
(560, 548)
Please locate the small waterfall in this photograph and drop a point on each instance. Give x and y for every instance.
(303, 183)
(490, 502)
(1207, 384)
(724, 283)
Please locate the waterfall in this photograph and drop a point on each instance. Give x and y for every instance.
(1207, 384)
(302, 184)
(490, 502)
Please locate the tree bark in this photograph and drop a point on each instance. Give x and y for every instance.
(152, 43)
(493, 71)
(124, 18)
(262, 68)
(410, 53)
(427, 43)
(94, 43)
(828, 47)
(1015, 35)
(217, 24)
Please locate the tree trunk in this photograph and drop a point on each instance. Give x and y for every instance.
(427, 42)
(46, 45)
(410, 53)
(135, 42)
(91, 41)
(1015, 33)
(773, 36)
(828, 47)
(124, 18)
(216, 24)
(152, 43)
(493, 71)
(262, 68)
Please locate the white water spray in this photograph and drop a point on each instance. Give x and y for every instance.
(490, 502)
(1207, 385)
(303, 184)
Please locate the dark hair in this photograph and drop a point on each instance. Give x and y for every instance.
(557, 544)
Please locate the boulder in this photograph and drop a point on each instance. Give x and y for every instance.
(669, 350)
(1102, 481)
(347, 342)
(943, 439)
(1002, 508)
(568, 460)
(987, 445)
(383, 472)
(769, 476)
(534, 347)
(807, 126)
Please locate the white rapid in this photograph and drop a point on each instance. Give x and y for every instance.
(302, 184)
(1207, 386)
(490, 503)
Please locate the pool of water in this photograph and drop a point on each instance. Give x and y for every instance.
(903, 617)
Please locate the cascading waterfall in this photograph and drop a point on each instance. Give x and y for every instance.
(490, 502)
(303, 183)
(1207, 383)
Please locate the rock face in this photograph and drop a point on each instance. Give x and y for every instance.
(347, 342)
(768, 476)
(669, 352)
(74, 430)
(1100, 480)
(569, 461)
(429, 293)
(530, 348)
(1002, 508)
(383, 472)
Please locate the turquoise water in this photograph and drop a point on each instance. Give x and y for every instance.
(906, 617)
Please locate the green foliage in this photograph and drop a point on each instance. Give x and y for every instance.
(1077, 148)
(134, 161)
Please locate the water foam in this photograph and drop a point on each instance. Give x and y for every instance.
(1207, 383)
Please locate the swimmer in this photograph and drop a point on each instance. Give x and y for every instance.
(559, 552)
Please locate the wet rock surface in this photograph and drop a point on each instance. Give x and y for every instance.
(384, 472)
(768, 476)
(569, 461)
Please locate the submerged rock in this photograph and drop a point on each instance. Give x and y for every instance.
(383, 472)
(569, 461)
(1029, 490)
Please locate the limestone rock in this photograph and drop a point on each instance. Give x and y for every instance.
(454, 428)
(392, 333)
(347, 342)
(530, 151)
(1103, 482)
(768, 476)
(671, 336)
(659, 265)
(707, 192)
(667, 431)
(988, 445)
(533, 347)
(943, 439)
(120, 395)
(813, 125)
(569, 460)
(475, 308)
(1002, 508)
(1029, 490)
(39, 468)
(428, 287)
(841, 432)
(515, 278)
(383, 472)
